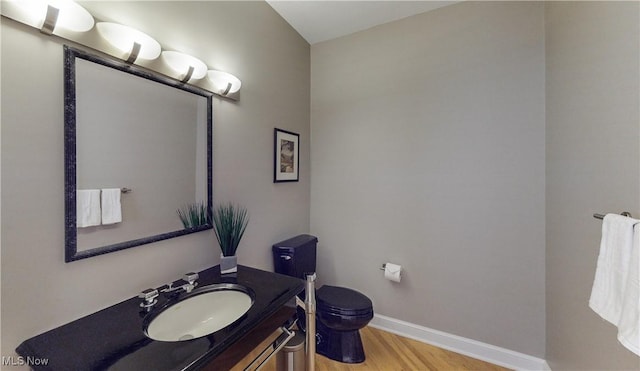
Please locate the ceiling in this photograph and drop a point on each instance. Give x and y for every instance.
(319, 21)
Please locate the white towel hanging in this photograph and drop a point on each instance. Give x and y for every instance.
(88, 212)
(111, 207)
(629, 325)
(612, 267)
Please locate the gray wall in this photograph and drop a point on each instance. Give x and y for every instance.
(428, 151)
(593, 166)
(248, 39)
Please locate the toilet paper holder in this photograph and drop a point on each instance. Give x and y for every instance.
(392, 272)
(384, 266)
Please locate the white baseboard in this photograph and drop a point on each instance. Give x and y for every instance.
(472, 348)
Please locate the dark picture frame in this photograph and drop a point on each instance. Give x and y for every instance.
(286, 156)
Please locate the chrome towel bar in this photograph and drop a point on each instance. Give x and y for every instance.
(601, 216)
(271, 349)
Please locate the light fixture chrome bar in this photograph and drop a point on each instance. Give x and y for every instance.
(50, 20)
(226, 91)
(135, 50)
(188, 75)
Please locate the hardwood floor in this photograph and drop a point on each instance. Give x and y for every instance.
(389, 352)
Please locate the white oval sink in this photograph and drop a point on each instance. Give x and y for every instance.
(203, 312)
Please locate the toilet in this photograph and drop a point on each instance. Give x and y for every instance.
(340, 312)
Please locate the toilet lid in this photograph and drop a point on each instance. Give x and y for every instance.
(342, 300)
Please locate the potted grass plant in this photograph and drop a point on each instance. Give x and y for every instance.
(194, 215)
(229, 224)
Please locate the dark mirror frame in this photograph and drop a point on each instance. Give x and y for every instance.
(71, 242)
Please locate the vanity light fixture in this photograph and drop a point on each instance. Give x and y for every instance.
(224, 82)
(66, 17)
(187, 66)
(47, 15)
(130, 41)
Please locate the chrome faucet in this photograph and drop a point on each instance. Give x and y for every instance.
(148, 297)
(190, 278)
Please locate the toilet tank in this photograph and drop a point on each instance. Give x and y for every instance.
(296, 256)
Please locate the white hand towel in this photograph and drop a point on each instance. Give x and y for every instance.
(111, 207)
(612, 268)
(87, 207)
(629, 325)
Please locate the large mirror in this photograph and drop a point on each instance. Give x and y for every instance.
(137, 156)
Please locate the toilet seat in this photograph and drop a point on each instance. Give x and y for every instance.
(342, 301)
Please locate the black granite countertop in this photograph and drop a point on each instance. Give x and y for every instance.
(113, 338)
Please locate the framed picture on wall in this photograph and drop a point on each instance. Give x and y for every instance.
(286, 159)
